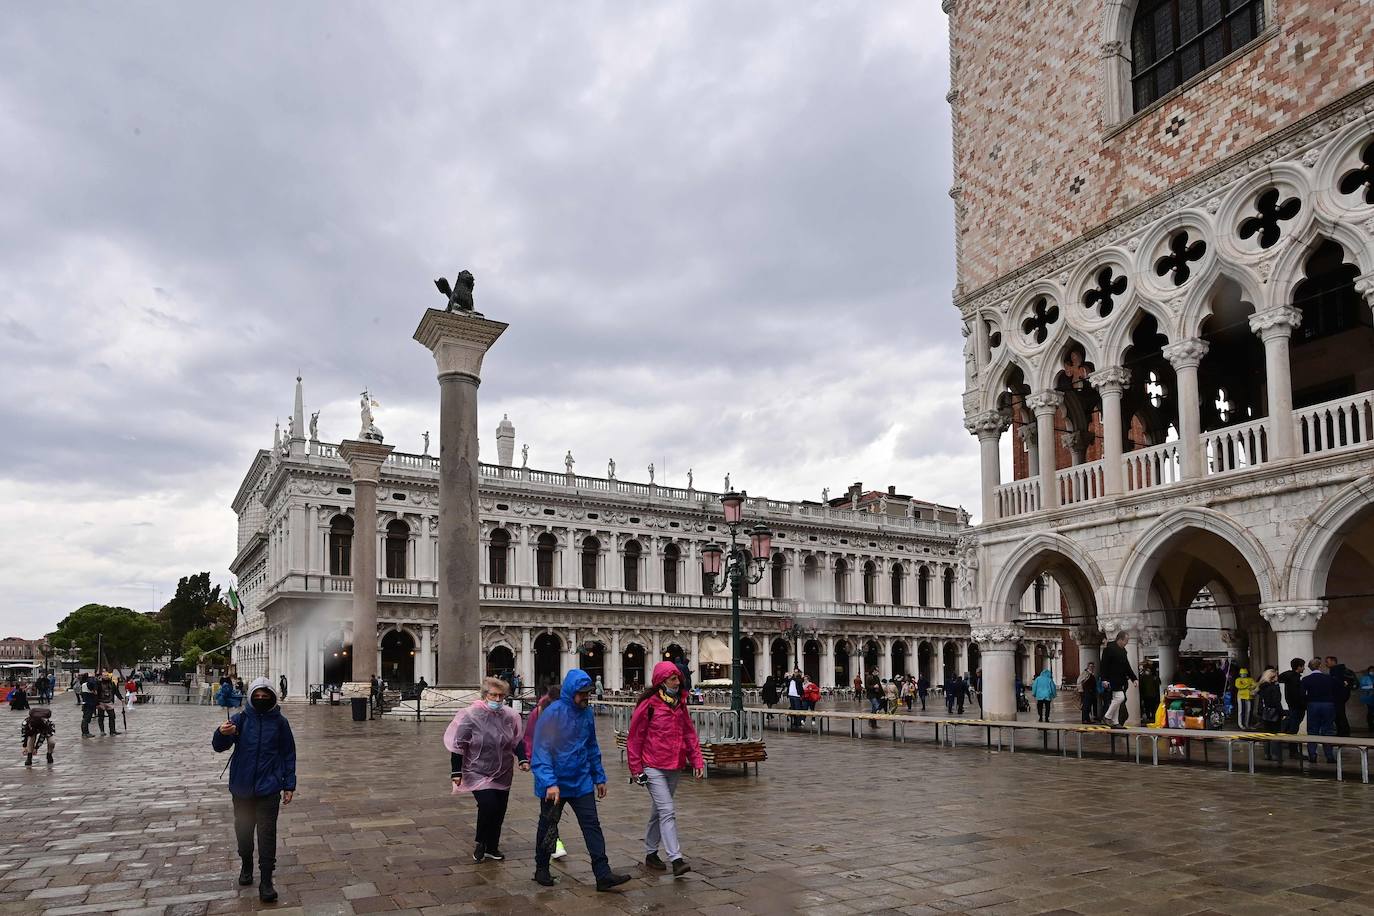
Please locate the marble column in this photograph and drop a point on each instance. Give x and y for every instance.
(1166, 641)
(1185, 356)
(426, 661)
(527, 656)
(459, 341)
(827, 661)
(762, 645)
(365, 464)
(1110, 383)
(988, 427)
(1045, 405)
(997, 654)
(1275, 328)
(1293, 622)
(615, 677)
(885, 659)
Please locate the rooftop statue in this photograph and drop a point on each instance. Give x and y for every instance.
(460, 294)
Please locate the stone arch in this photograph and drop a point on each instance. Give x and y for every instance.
(997, 375)
(1080, 579)
(1309, 562)
(1051, 368)
(1150, 550)
(1290, 268)
(1197, 305)
(1120, 331)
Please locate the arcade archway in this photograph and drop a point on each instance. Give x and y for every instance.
(398, 658)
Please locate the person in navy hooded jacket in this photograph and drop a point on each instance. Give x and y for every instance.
(566, 763)
(262, 778)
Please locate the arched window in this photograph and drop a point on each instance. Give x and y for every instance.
(870, 583)
(1039, 596)
(898, 580)
(590, 548)
(341, 546)
(671, 555)
(841, 577)
(949, 586)
(397, 539)
(1173, 41)
(630, 559)
(497, 553)
(778, 572)
(923, 587)
(543, 559)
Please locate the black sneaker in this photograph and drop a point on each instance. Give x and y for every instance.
(542, 876)
(611, 881)
(266, 892)
(246, 875)
(28, 760)
(479, 852)
(49, 758)
(680, 868)
(653, 861)
(495, 855)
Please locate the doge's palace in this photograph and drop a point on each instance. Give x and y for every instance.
(1165, 261)
(599, 573)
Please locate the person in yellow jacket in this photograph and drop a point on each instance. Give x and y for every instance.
(1245, 698)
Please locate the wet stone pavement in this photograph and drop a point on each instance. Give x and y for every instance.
(140, 824)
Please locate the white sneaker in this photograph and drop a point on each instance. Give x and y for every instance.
(558, 850)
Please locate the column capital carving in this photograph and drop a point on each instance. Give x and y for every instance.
(1365, 287)
(458, 341)
(997, 636)
(1293, 616)
(987, 425)
(1162, 636)
(1111, 379)
(1131, 624)
(1089, 636)
(1186, 353)
(1112, 48)
(1043, 402)
(1275, 322)
(365, 458)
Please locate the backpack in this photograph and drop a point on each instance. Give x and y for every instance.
(811, 692)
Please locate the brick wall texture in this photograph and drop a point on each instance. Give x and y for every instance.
(1029, 112)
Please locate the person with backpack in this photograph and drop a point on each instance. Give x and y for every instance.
(106, 693)
(484, 741)
(36, 729)
(85, 696)
(568, 773)
(261, 779)
(660, 742)
(1087, 693)
(811, 694)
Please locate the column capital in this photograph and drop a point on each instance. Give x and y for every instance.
(1365, 287)
(987, 425)
(364, 459)
(1293, 616)
(1110, 379)
(1089, 636)
(994, 637)
(1133, 625)
(458, 340)
(1275, 322)
(1186, 353)
(1045, 402)
(1162, 636)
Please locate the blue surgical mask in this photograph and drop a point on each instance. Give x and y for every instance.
(671, 691)
(494, 704)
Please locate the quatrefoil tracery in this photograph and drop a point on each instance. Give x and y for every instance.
(1043, 315)
(1102, 297)
(1362, 176)
(1269, 213)
(1180, 255)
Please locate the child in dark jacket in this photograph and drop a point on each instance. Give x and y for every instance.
(261, 779)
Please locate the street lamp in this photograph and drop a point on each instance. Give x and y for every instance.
(737, 573)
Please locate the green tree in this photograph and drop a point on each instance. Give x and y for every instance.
(127, 636)
(204, 640)
(189, 608)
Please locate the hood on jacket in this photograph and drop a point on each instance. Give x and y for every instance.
(574, 681)
(264, 684)
(663, 671)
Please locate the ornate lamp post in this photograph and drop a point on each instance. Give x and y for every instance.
(738, 573)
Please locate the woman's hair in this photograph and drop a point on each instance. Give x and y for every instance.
(495, 683)
(554, 692)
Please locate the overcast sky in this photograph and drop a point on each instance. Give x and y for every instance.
(719, 232)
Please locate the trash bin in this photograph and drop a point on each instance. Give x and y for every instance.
(360, 709)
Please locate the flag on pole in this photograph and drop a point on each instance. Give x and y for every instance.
(234, 601)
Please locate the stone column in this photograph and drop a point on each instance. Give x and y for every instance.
(1185, 356)
(615, 679)
(1166, 641)
(458, 341)
(426, 665)
(524, 557)
(365, 464)
(1045, 404)
(997, 650)
(827, 661)
(1110, 383)
(885, 659)
(1275, 327)
(571, 651)
(527, 656)
(988, 427)
(1293, 622)
(762, 659)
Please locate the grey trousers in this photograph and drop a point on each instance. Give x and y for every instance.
(662, 816)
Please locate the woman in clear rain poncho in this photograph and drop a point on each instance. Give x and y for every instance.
(484, 742)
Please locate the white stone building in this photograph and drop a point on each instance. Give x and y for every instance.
(594, 572)
(1168, 313)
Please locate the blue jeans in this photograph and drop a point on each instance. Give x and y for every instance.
(795, 703)
(1321, 720)
(584, 806)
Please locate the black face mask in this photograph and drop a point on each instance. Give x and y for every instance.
(263, 704)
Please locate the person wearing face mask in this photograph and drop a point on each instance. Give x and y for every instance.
(568, 773)
(484, 743)
(661, 740)
(262, 778)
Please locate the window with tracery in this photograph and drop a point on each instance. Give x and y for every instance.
(1173, 41)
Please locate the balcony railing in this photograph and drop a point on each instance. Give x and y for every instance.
(1235, 448)
(343, 585)
(1156, 466)
(1018, 497)
(1344, 423)
(1080, 483)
